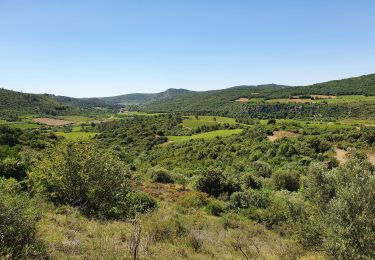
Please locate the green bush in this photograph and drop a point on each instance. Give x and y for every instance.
(214, 183)
(286, 179)
(18, 217)
(344, 200)
(95, 181)
(161, 175)
(215, 207)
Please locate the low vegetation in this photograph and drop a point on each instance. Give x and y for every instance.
(219, 179)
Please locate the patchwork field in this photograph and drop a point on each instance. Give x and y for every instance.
(194, 123)
(325, 99)
(51, 121)
(208, 135)
(76, 135)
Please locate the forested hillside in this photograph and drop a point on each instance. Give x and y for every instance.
(334, 99)
(363, 85)
(13, 104)
(142, 98)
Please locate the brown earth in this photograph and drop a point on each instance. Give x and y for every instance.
(371, 156)
(280, 134)
(242, 100)
(323, 96)
(165, 192)
(300, 100)
(51, 121)
(341, 155)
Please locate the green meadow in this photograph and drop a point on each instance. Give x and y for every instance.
(73, 136)
(193, 123)
(207, 136)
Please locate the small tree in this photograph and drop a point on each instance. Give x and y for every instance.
(95, 181)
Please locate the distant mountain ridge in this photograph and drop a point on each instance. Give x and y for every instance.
(222, 100)
(143, 98)
(13, 103)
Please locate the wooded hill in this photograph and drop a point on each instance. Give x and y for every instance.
(14, 103)
(224, 101)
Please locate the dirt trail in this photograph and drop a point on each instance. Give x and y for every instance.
(341, 155)
(371, 156)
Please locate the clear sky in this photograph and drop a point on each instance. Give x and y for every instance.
(87, 48)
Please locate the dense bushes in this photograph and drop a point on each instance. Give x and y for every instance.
(18, 218)
(159, 174)
(214, 182)
(95, 181)
(344, 208)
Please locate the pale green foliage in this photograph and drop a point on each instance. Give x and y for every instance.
(344, 198)
(80, 174)
(18, 218)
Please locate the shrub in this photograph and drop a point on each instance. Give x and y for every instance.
(214, 183)
(95, 181)
(215, 207)
(18, 218)
(161, 175)
(346, 207)
(194, 200)
(12, 168)
(286, 180)
(262, 169)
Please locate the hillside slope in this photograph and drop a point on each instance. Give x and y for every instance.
(13, 104)
(142, 98)
(211, 100)
(363, 85)
(223, 101)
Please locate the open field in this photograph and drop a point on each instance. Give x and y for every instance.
(136, 113)
(328, 100)
(242, 100)
(280, 134)
(76, 118)
(208, 135)
(51, 121)
(194, 123)
(76, 135)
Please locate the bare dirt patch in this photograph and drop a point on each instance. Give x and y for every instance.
(165, 192)
(300, 100)
(51, 121)
(341, 155)
(242, 100)
(323, 97)
(371, 156)
(280, 134)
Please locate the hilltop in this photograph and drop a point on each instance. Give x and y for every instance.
(338, 98)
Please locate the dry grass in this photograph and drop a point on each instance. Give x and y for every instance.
(167, 233)
(51, 121)
(281, 134)
(322, 96)
(242, 100)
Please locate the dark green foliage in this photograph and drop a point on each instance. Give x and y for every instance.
(215, 207)
(158, 174)
(13, 104)
(214, 183)
(286, 179)
(86, 177)
(18, 217)
(222, 102)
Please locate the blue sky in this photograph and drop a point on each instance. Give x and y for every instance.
(87, 48)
